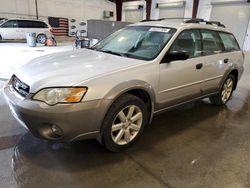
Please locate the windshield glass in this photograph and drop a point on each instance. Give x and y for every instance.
(3, 20)
(140, 42)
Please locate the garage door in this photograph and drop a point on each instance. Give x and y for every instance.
(234, 16)
(177, 12)
(133, 15)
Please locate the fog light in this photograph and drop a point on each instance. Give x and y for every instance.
(56, 130)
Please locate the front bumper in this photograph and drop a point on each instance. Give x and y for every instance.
(77, 121)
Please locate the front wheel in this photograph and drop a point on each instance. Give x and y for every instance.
(225, 93)
(124, 123)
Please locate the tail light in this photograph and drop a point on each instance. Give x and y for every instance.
(51, 30)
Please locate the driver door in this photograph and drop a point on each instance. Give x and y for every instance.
(9, 30)
(182, 80)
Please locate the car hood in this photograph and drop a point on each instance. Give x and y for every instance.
(70, 68)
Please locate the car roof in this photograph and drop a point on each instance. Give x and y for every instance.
(28, 19)
(180, 25)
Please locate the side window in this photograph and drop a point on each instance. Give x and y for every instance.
(188, 41)
(24, 24)
(229, 42)
(10, 24)
(41, 25)
(211, 42)
(36, 24)
(21, 23)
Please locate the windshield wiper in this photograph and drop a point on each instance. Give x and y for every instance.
(111, 52)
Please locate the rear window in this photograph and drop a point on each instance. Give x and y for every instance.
(229, 42)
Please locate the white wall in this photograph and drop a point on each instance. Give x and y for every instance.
(155, 11)
(204, 9)
(79, 9)
(134, 3)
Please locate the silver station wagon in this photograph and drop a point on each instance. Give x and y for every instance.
(112, 90)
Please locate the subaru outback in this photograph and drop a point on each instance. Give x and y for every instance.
(112, 90)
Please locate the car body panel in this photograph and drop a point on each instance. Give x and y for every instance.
(173, 87)
(36, 116)
(89, 63)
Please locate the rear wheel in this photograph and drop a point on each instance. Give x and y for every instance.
(124, 123)
(41, 38)
(225, 93)
(1, 38)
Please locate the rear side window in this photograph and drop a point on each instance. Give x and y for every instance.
(188, 41)
(211, 42)
(229, 42)
(41, 25)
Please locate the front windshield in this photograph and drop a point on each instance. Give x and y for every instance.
(141, 42)
(3, 20)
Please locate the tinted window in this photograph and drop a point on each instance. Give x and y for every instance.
(10, 24)
(24, 24)
(188, 41)
(211, 42)
(229, 42)
(31, 24)
(41, 24)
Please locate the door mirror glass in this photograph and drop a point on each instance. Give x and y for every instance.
(176, 56)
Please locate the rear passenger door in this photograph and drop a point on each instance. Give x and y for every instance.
(215, 61)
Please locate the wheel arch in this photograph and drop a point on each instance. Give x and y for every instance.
(138, 88)
(235, 72)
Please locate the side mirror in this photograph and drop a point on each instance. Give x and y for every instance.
(176, 56)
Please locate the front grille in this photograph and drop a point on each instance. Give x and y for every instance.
(19, 86)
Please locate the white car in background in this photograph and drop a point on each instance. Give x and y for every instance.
(17, 29)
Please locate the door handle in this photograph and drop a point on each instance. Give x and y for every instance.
(199, 66)
(226, 60)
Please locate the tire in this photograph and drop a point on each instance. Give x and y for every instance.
(127, 127)
(41, 39)
(225, 93)
(1, 38)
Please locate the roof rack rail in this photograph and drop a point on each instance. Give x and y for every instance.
(160, 19)
(194, 20)
(189, 20)
(198, 20)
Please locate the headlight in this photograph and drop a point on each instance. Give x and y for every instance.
(53, 96)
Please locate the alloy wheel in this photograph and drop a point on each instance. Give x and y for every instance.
(126, 125)
(227, 90)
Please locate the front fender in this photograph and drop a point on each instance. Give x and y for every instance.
(121, 88)
(126, 86)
